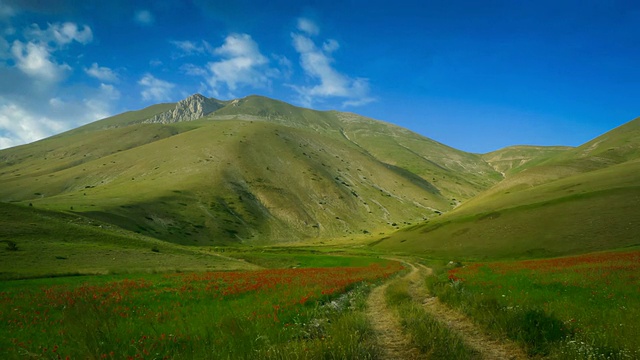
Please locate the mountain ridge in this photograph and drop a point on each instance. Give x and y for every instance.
(192, 108)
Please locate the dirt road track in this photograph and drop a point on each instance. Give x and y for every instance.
(397, 346)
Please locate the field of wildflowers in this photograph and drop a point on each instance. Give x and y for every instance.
(303, 313)
(579, 307)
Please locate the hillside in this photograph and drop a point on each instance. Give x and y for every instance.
(51, 243)
(579, 200)
(252, 170)
(514, 159)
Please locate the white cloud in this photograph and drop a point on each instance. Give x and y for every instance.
(191, 47)
(19, 126)
(33, 104)
(241, 64)
(101, 73)
(99, 105)
(31, 118)
(144, 17)
(317, 64)
(330, 46)
(155, 89)
(308, 26)
(194, 70)
(60, 34)
(35, 56)
(109, 91)
(34, 59)
(68, 32)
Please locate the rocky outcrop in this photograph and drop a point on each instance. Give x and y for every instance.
(192, 108)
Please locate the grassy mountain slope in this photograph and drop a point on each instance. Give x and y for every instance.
(256, 170)
(52, 244)
(571, 204)
(514, 159)
(458, 175)
(614, 147)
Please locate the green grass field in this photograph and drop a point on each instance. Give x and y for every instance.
(581, 307)
(302, 313)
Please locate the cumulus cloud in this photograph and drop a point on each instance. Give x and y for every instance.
(144, 17)
(34, 102)
(308, 26)
(35, 57)
(155, 89)
(101, 73)
(35, 60)
(317, 64)
(60, 34)
(19, 126)
(240, 64)
(27, 119)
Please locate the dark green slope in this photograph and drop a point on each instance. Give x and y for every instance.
(51, 243)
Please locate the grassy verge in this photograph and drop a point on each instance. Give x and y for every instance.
(427, 334)
(564, 308)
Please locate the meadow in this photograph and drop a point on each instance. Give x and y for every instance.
(579, 307)
(301, 313)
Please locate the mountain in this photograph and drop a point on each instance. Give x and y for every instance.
(571, 201)
(251, 170)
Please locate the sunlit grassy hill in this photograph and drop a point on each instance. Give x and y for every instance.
(579, 200)
(514, 159)
(252, 170)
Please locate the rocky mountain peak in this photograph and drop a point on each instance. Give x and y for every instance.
(191, 108)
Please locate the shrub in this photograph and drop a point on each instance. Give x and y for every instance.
(12, 246)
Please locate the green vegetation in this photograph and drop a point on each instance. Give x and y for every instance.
(514, 159)
(585, 212)
(215, 181)
(47, 243)
(427, 334)
(583, 307)
(296, 314)
(125, 238)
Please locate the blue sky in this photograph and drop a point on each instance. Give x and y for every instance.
(476, 76)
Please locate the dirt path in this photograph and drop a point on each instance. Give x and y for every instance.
(489, 347)
(396, 345)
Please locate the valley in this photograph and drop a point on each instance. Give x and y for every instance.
(279, 222)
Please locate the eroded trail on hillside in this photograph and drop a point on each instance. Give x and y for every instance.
(397, 345)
